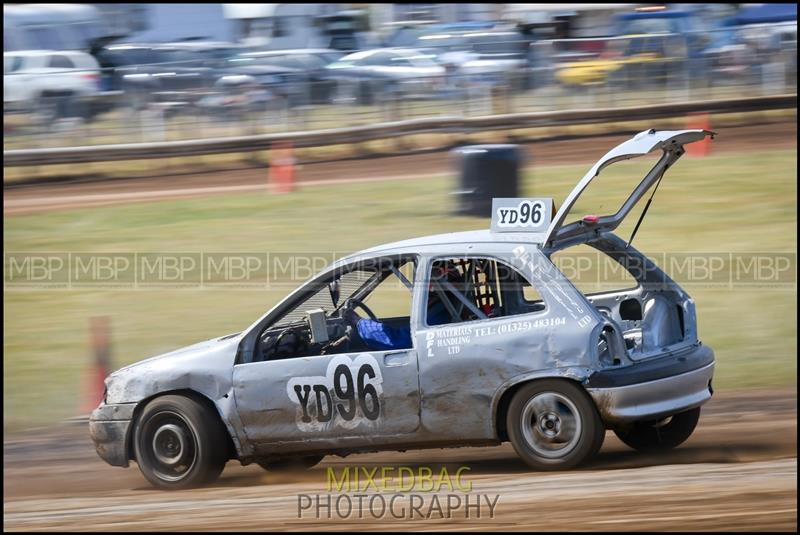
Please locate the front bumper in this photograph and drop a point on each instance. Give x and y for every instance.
(109, 426)
(653, 389)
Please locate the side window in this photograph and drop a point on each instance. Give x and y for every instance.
(592, 271)
(60, 62)
(391, 298)
(515, 285)
(400, 61)
(473, 288)
(378, 59)
(323, 322)
(347, 284)
(278, 61)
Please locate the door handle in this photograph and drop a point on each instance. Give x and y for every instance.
(396, 359)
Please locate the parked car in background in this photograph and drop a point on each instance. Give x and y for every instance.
(632, 61)
(370, 75)
(52, 84)
(498, 57)
(301, 71)
(478, 52)
(176, 73)
(654, 47)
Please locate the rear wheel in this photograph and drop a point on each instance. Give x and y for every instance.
(554, 425)
(179, 443)
(291, 464)
(660, 435)
(50, 107)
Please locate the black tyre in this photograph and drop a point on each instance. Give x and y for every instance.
(660, 435)
(47, 109)
(554, 425)
(179, 443)
(291, 464)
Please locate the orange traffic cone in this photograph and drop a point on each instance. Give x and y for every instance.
(281, 168)
(699, 121)
(100, 342)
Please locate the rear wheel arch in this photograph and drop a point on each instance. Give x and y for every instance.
(232, 449)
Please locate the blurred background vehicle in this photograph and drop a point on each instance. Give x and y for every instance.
(385, 73)
(650, 46)
(480, 52)
(177, 74)
(302, 69)
(50, 84)
(769, 33)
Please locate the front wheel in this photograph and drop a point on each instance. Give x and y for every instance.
(660, 435)
(291, 464)
(179, 443)
(554, 425)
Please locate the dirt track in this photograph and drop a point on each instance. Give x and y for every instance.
(737, 472)
(35, 198)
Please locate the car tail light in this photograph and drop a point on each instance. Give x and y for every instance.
(92, 77)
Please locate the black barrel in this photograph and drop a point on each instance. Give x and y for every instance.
(485, 172)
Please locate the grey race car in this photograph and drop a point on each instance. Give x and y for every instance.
(492, 343)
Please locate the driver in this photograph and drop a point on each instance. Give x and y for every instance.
(380, 336)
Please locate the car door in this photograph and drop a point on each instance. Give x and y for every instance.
(318, 400)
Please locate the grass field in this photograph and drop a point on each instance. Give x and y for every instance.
(742, 203)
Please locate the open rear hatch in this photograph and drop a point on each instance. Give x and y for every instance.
(652, 319)
(561, 233)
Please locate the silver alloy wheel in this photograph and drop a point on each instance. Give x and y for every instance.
(172, 448)
(551, 424)
(169, 444)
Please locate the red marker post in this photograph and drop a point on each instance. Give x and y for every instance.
(699, 121)
(100, 344)
(281, 168)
